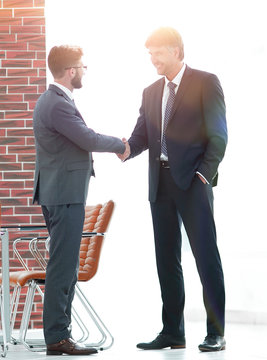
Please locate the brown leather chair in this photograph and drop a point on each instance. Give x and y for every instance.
(96, 223)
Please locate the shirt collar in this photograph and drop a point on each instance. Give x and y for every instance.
(66, 90)
(178, 77)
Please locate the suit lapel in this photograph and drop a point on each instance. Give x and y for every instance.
(186, 79)
(60, 92)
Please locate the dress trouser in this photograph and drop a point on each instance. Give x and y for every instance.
(65, 226)
(195, 208)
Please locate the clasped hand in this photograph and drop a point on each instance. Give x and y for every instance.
(127, 151)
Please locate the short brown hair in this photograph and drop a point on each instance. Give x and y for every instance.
(61, 57)
(166, 36)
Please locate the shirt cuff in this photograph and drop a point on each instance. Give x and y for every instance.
(203, 177)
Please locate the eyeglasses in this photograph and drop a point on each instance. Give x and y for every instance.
(77, 67)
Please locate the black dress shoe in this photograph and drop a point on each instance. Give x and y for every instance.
(213, 343)
(163, 341)
(70, 347)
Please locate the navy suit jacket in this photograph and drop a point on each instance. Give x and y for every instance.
(196, 135)
(63, 150)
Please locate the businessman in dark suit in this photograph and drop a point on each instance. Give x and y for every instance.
(182, 123)
(64, 165)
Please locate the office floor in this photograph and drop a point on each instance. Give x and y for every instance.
(246, 342)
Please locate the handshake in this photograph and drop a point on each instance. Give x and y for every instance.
(127, 151)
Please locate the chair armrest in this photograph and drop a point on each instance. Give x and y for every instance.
(35, 250)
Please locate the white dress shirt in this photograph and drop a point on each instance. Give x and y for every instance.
(66, 90)
(177, 80)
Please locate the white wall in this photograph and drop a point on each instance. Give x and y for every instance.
(227, 38)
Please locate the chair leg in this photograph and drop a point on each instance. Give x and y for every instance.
(81, 324)
(13, 311)
(107, 339)
(33, 344)
(4, 346)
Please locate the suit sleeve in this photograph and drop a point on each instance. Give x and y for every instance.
(65, 120)
(139, 139)
(215, 125)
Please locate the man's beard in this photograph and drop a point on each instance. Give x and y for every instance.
(76, 82)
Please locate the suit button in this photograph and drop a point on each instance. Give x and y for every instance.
(157, 158)
(158, 140)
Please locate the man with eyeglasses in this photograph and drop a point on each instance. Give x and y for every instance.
(63, 168)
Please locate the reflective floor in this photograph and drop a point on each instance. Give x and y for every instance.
(244, 342)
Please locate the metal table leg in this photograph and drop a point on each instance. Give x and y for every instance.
(5, 294)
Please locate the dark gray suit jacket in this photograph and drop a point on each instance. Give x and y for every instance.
(196, 134)
(63, 150)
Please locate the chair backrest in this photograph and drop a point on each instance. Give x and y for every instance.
(97, 219)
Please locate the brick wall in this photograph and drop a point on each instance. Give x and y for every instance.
(22, 80)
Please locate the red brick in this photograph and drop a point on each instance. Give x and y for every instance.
(11, 123)
(13, 46)
(7, 159)
(26, 29)
(21, 193)
(41, 55)
(7, 211)
(13, 81)
(17, 63)
(22, 72)
(39, 3)
(21, 149)
(31, 38)
(41, 89)
(5, 13)
(38, 81)
(22, 89)
(39, 64)
(4, 193)
(33, 21)
(29, 123)
(31, 97)
(7, 38)
(3, 150)
(29, 166)
(17, 3)
(29, 184)
(19, 115)
(2, 132)
(19, 132)
(13, 106)
(37, 219)
(18, 175)
(32, 105)
(15, 220)
(10, 20)
(14, 202)
(35, 45)
(26, 158)
(28, 12)
(12, 184)
(12, 141)
(3, 89)
(28, 210)
(11, 166)
(2, 72)
(4, 29)
(2, 55)
(20, 55)
(11, 98)
(30, 141)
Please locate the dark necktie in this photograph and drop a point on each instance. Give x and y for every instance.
(167, 115)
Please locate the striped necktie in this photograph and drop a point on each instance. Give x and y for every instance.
(167, 115)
